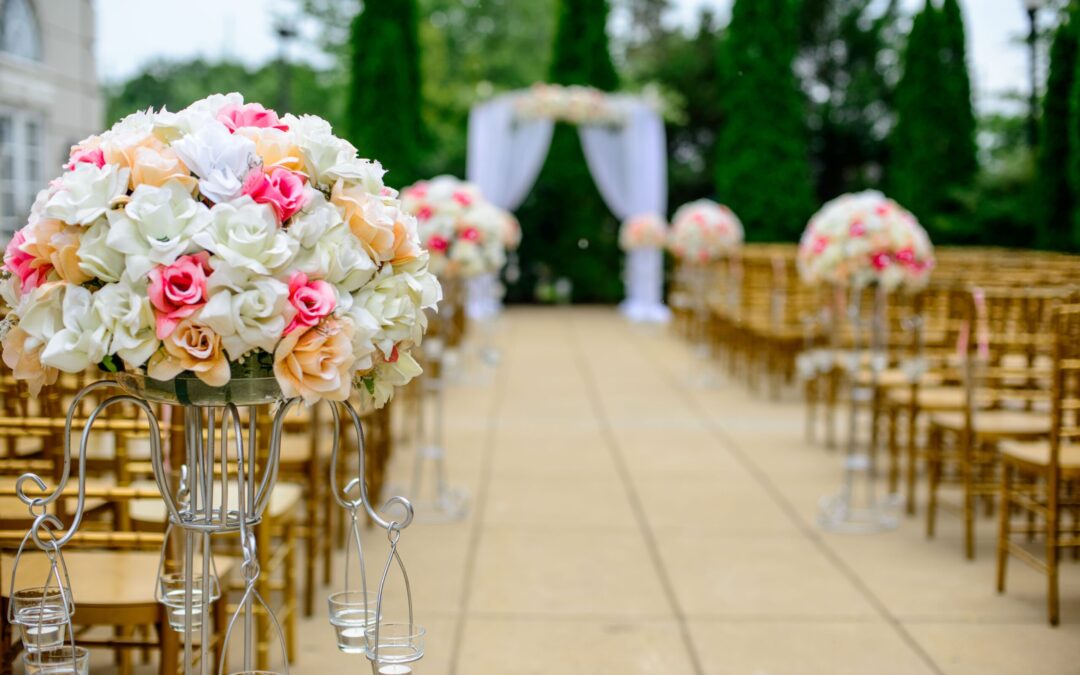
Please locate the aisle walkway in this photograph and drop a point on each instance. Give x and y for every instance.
(624, 523)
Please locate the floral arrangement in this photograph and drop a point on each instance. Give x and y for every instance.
(465, 234)
(219, 241)
(862, 238)
(511, 231)
(704, 230)
(573, 104)
(645, 231)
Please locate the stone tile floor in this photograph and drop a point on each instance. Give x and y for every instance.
(624, 521)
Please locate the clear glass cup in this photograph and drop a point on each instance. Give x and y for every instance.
(42, 614)
(351, 614)
(173, 588)
(398, 643)
(66, 660)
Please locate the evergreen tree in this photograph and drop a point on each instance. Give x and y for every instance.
(1055, 199)
(933, 145)
(568, 232)
(383, 101)
(762, 157)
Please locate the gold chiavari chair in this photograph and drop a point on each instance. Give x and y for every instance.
(1005, 352)
(1042, 479)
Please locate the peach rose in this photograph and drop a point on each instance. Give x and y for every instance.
(275, 147)
(25, 363)
(316, 363)
(406, 240)
(151, 165)
(195, 347)
(55, 243)
(368, 218)
(123, 154)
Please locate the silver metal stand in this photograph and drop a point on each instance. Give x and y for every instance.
(857, 509)
(198, 500)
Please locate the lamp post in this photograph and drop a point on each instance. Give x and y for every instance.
(1033, 7)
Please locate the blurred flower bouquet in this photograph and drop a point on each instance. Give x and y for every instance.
(573, 104)
(703, 230)
(644, 231)
(465, 234)
(864, 238)
(219, 242)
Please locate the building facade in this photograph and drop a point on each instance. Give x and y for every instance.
(49, 96)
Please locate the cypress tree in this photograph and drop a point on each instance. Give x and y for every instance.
(933, 143)
(763, 168)
(568, 231)
(1055, 196)
(384, 89)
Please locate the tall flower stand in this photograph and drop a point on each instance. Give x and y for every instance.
(857, 508)
(483, 305)
(227, 468)
(644, 279)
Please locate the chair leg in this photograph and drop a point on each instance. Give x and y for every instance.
(894, 450)
(290, 591)
(912, 458)
(967, 469)
(1052, 604)
(1004, 523)
(933, 471)
(170, 643)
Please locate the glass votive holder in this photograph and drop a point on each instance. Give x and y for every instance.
(351, 614)
(173, 591)
(65, 660)
(42, 614)
(399, 643)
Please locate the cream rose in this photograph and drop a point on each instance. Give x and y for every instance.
(126, 313)
(83, 341)
(246, 235)
(247, 312)
(86, 193)
(316, 363)
(96, 257)
(156, 226)
(195, 347)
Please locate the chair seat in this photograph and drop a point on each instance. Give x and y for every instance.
(1037, 454)
(286, 497)
(895, 377)
(944, 398)
(997, 423)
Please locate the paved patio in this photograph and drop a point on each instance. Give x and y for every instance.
(623, 522)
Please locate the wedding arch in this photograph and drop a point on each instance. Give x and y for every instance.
(622, 137)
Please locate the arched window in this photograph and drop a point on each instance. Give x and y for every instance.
(19, 32)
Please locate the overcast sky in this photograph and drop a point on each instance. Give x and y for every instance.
(133, 32)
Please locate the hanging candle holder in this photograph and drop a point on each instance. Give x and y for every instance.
(172, 587)
(393, 645)
(43, 613)
(352, 611)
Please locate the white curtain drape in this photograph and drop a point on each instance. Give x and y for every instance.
(505, 154)
(629, 165)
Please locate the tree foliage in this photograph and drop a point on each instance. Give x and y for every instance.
(383, 100)
(567, 229)
(1056, 196)
(934, 158)
(762, 168)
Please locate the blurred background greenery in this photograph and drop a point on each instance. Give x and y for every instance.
(789, 104)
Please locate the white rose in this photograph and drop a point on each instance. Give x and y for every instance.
(387, 377)
(247, 312)
(339, 258)
(323, 151)
(86, 193)
(96, 257)
(195, 116)
(125, 311)
(246, 235)
(397, 298)
(353, 169)
(366, 330)
(84, 341)
(220, 159)
(132, 129)
(43, 313)
(316, 219)
(156, 226)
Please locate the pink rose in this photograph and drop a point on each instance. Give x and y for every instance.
(177, 291)
(820, 244)
(880, 260)
(282, 189)
(31, 271)
(250, 115)
(857, 229)
(462, 198)
(424, 213)
(437, 243)
(313, 300)
(470, 234)
(88, 156)
(906, 257)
